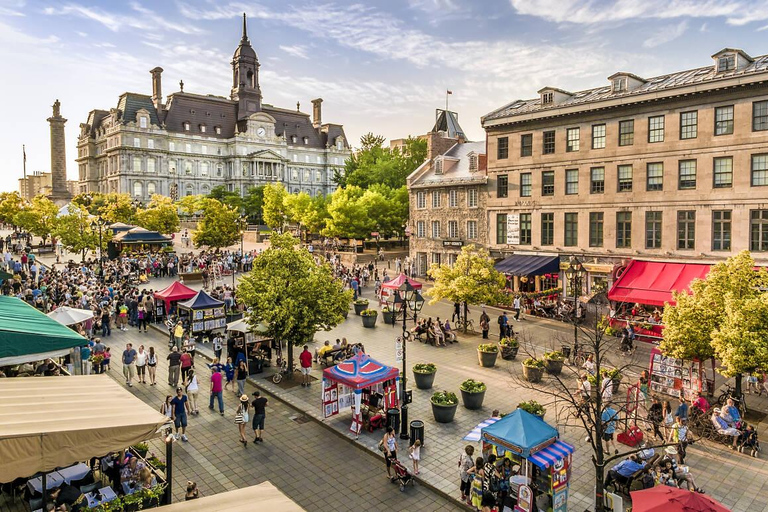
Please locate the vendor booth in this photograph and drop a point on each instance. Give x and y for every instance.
(388, 289)
(170, 296)
(363, 384)
(254, 343)
(137, 239)
(205, 313)
(677, 377)
(545, 461)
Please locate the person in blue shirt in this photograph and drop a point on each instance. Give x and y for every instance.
(609, 428)
(353, 284)
(85, 355)
(682, 410)
(622, 471)
(730, 413)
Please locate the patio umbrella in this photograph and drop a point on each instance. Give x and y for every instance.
(663, 498)
(475, 433)
(242, 326)
(66, 315)
(5, 275)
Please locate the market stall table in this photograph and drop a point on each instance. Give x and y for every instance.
(103, 495)
(53, 480)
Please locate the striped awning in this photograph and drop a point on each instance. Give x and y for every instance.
(551, 454)
(475, 433)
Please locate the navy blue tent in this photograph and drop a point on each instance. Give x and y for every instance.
(201, 301)
(528, 265)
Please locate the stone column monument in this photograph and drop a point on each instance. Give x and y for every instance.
(59, 193)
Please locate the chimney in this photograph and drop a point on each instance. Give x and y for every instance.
(317, 111)
(438, 143)
(157, 89)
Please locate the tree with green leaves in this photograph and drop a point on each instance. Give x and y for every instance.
(39, 217)
(347, 214)
(740, 340)
(253, 203)
(224, 196)
(10, 204)
(373, 163)
(160, 215)
(471, 280)
(288, 291)
(274, 209)
(220, 225)
(112, 207)
(296, 208)
(75, 233)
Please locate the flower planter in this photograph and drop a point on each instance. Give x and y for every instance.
(359, 308)
(444, 413)
(532, 374)
(616, 384)
(424, 380)
(508, 353)
(487, 359)
(388, 317)
(369, 320)
(554, 366)
(472, 401)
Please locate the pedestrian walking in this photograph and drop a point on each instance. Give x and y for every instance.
(608, 418)
(152, 366)
(456, 312)
(217, 389)
(217, 345)
(166, 407)
(178, 334)
(485, 324)
(192, 390)
(180, 405)
(85, 359)
(174, 367)
(141, 365)
(389, 445)
(129, 364)
(186, 365)
(242, 374)
(669, 419)
(503, 322)
(679, 435)
(516, 306)
(141, 316)
(305, 358)
(259, 415)
(414, 453)
(241, 418)
(656, 416)
(465, 463)
(229, 371)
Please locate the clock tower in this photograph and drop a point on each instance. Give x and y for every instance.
(245, 77)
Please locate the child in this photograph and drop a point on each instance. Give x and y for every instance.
(107, 357)
(229, 371)
(414, 452)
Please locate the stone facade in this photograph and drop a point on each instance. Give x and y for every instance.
(447, 199)
(193, 143)
(670, 168)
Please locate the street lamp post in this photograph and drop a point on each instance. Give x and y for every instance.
(99, 224)
(241, 225)
(574, 274)
(406, 297)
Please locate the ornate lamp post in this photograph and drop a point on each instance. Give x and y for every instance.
(99, 224)
(575, 274)
(405, 298)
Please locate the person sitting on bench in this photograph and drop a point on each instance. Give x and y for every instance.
(623, 471)
(722, 427)
(320, 352)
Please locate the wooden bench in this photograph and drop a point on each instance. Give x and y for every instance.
(329, 358)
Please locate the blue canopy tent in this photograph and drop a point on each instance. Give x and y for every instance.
(206, 313)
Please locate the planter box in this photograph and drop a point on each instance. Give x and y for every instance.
(359, 308)
(554, 367)
(532, 374)
(508, 353)
(388, 317)
(369, 321)
(487, 359)
(424, 380)
(444, 413)
(472, 401)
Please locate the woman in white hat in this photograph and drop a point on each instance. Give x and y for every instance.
(241, 418)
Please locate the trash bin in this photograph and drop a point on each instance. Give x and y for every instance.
(393, 419)
(417, 431)
(255, 366)
(566, 350)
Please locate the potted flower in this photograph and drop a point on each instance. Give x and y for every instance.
(369, 317)
(615, 376)
(509, 348)
(141, 449)
(444, 404)
(389, 315)
(155, 462)
(533, 407)
(360, 305)
(487, 354)
(533, 369)
(472, 393)
(553, 361)
(424, 374)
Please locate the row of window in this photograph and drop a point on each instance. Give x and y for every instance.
(686, 229)
(452, 199)
(722, 177)
(452, 231)
(689, 127)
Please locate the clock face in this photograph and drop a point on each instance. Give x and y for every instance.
(261, 132)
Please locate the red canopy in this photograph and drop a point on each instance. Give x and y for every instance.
(175, 292)
(652, 282)
(360, 372)
(663, 498)
(398, 281)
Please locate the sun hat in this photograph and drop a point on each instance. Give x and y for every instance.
(244, 398)
(670, 450)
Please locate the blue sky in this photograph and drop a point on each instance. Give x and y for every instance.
(381, 66)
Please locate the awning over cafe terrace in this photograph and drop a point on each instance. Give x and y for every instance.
(652, 282)
(528, 265)
(47, 422)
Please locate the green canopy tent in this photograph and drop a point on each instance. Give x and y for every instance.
(5, 275)
(27, 334)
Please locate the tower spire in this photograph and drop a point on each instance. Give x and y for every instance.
(244, 39)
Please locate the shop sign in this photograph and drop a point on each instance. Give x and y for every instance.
(453, 243)
(513, 229)
(524, 499)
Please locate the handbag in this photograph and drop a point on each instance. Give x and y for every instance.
(245, 417)
(381, 446)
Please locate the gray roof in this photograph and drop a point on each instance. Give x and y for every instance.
(294, 122)
(130, 103)
(211, 111)
(651, 85)
(458, 172)
(448, 122)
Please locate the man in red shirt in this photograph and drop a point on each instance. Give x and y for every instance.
(305, 358)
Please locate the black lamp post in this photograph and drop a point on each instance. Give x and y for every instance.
(406, 298)
(99, 224)
(574, 274)
(241, 225)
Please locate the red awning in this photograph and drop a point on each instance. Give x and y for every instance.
(174, 292)
(652, 282)
(398, 281)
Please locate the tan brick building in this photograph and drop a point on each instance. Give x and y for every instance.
(671, 168)
(447, 196)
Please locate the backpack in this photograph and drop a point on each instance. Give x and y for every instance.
(501, 319)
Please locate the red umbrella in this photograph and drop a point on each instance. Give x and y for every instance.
(663, 498)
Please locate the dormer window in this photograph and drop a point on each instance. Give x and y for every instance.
(187, 126)
(726, 62)
(293, 139)
(339, 144)
(547, 98)
(217, 129)
(472, 162)
(142, 122)
(439, 166)
(619, 84)
(306, 140)
(202, 128)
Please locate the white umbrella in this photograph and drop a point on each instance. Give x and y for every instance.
(70, 316)
(242, 326)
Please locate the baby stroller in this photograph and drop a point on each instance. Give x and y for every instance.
(402, 475)
(748, 442)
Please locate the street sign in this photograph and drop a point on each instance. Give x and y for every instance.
(399, 349)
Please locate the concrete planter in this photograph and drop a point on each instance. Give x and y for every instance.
(472, 401)
(388, 316)
(554, 366)
(444, 413)
(369, 321)
(359, 308)
(532, 374)
(508, 353)
(424, 380)
(487, 359)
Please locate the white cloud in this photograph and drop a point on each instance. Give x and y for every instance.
(736, 12)
(296, 51)
(149, 20)
(432, 6)
(665, 35)
(12, 8)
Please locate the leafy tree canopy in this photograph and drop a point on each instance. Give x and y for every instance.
(373, 163)
(75, 233)
(10, 205)
(38, 216)
(232, 199)
(111, 207)
(160, 215)
(219, 226)
(274, 210)
(472, 279)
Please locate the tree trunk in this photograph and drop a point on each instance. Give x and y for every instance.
(289, 348)
(599, 491)
(466, 310)
(738, 391)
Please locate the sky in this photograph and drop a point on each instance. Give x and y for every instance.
(381, 66)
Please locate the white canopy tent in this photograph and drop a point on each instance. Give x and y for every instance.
(264, 496)
(66, 315)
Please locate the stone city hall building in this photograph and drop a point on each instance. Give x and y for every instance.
(669, 168)
(191, 143)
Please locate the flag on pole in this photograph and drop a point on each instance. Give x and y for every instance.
(448, 91)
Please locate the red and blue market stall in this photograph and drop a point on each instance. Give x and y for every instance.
(544, 459)
(354, 382)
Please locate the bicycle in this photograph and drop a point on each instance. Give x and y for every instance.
(578, 356)
(730, 392)
(278, 377)
(469, 324)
